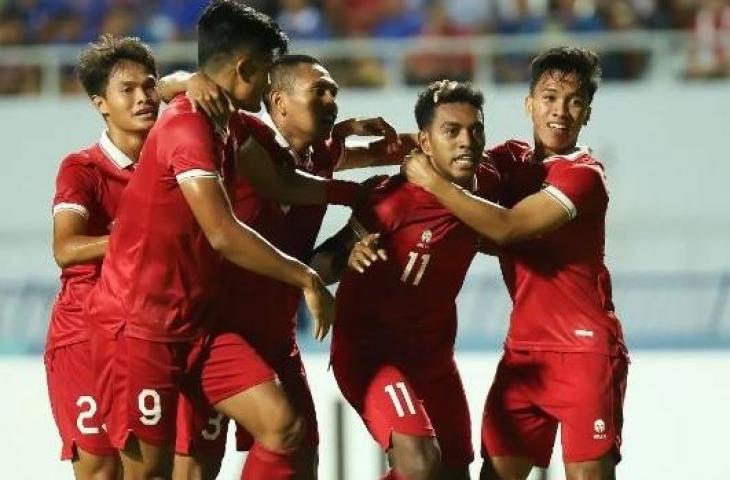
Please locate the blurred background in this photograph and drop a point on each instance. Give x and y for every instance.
(659, 124)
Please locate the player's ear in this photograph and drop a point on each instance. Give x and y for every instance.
(424, 141)
(278, 102)
(246, 68)
(100, 104)
(528, 104)
(588, 115)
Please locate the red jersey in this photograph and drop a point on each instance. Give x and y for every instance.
(160, 272)
(559, 284)
(412, 295)
(90, 183)
(262, 308)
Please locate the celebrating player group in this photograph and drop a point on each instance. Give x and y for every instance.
(186, 244)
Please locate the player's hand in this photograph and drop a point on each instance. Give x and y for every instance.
(321, 305)
(377, 127)
(365, 252)
(418, 169)
(206, 95)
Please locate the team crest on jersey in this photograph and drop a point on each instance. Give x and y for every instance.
(599, 427)
(426, 237)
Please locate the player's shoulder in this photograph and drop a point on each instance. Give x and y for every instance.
(392, 190)
(511, 150)
(582, 158)
(488, 179)
(180, 115)
(86, 158)
(243, 124)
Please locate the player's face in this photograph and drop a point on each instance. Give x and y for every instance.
(310, 107)
(130, 102)
(559, 109)
(455, 141)
(251, 81)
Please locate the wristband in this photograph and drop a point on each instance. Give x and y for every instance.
(341, 192)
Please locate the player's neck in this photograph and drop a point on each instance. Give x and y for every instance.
(541, 152)
(129, 143)
(297, 142)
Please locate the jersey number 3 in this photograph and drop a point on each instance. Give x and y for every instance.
(412, 260)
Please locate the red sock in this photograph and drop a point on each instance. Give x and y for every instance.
(393, 475)
(263, 464)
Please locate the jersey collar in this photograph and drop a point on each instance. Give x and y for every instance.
(281, 140)
(578, 152)
(113, 153)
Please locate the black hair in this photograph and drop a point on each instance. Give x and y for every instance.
(282, 73)
(98, 60)
(226, 26)
(582, 62)
(445, 91)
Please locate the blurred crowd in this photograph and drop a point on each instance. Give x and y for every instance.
(79, 21)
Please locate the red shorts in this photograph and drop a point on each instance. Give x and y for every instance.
(293, 378)
(229, 366)
(142, 381)
(533, 392)
(418, 399)
(71, 390)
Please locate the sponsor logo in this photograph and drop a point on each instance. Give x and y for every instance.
(599, 427)
(583, 333)
(426, 237)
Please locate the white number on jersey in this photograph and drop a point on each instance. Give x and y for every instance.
(150, 416)
(213, 430)
(412, 259)
(86, 415)
(391, 391)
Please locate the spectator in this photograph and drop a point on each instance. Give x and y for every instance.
(473, 15)
(174, 19)
(300, 19)
(522, 18)
(16, 79)
(627, 63)
(65, 27)
(428, 67)
(121, 20)
(354, 18)
(575, 16)
(13, 30)
(709, 52)
(398, 19)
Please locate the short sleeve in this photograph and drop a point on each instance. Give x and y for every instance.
(75, 187)
(188, 147)
(579, 187)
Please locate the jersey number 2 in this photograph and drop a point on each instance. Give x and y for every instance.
(86, 415)
(412, 259)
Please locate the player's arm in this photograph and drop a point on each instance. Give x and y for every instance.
(244, 247)
(535, 215)
(71, 245)
(389, 150)
(281, 182)
(203, 93)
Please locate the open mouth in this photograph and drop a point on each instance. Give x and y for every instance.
(466, 160)
(557, 127)
(146, 112)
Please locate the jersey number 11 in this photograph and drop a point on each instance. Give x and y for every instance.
(412, 259)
